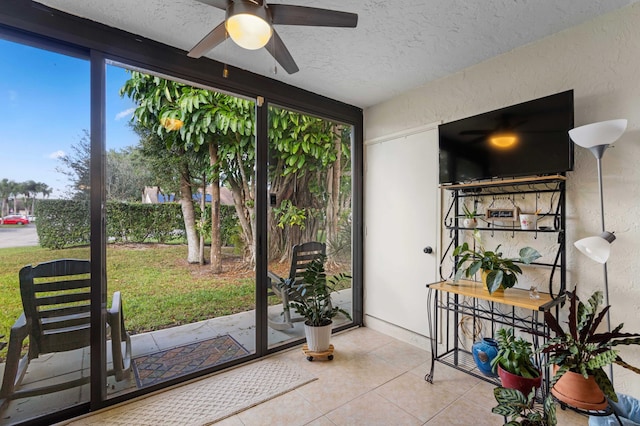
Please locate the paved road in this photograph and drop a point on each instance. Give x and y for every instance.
(18, 235)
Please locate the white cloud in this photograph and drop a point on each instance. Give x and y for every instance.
(125, 114)
(57, 154)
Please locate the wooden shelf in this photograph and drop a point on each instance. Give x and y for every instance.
(511, 296)
(505, 182)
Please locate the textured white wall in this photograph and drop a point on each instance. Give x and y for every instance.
(600, 60)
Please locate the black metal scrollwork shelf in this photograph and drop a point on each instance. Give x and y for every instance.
(449, 303)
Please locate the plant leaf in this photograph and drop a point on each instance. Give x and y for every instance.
(605, 384)
(528, 255)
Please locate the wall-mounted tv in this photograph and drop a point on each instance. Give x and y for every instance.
(527, 139)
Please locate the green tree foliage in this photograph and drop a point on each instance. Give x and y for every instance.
(127, 174)
(29, 190)
(206, 119)
(307, 155)
(302, 150)
(76, 165)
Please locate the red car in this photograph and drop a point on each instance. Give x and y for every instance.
(15, 219)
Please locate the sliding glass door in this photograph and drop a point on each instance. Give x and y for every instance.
(309, 213)
(44, 206)
(187, 202)
(180, 226)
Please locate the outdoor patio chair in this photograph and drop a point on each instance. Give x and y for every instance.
(56, 318)
(303, 255)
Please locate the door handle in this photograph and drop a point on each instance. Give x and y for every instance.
(428, 250)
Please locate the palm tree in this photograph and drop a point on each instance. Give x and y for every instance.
(14, 191)
(27, 189)
(40, 188)
(5, 191)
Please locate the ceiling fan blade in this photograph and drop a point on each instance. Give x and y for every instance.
(220, 4)
(280, 53)
(475, 132)
(211, 40)
(285, 14)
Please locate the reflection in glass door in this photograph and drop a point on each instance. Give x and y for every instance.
(310, 211)
(180, 167)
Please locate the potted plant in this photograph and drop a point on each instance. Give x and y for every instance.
(310, 297)
(518, 409)
(469, 220)
(579, 354)
(514, 362)
(497, 271)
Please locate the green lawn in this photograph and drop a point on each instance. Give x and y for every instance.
(159, 288)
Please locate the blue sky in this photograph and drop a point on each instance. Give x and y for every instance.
(44, 108)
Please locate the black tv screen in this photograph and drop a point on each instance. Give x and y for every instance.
(527, 139)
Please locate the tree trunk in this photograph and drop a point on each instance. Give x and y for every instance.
(203, 219)
(333, 195)
(295, 189)
(243, 204)
(216, 240)
(188, 213)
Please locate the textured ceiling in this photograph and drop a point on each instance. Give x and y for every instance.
(398, 44)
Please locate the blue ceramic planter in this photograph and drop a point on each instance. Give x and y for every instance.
(484, 351)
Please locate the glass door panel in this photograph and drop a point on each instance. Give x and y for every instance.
(179, 225)
(44, 206)
(310, 200)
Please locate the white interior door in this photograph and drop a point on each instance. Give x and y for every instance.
(401, 220)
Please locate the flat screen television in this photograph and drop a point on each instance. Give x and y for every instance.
(527, 139)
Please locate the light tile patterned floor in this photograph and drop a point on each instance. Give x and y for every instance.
(375, 379)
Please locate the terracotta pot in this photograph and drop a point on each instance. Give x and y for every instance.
(576, 391)
(318, 338)
(513, 381)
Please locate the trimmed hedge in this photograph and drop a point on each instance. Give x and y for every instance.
(138, 223)
(62, 223)
(65, 223)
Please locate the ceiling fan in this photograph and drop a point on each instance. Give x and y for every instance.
(250, 24)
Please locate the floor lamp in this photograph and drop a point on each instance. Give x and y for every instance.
(597, 137)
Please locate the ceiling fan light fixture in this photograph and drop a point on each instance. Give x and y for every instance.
(248, 25)
(503, 140)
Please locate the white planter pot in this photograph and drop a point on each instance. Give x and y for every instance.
(469, 222)
(318, 338)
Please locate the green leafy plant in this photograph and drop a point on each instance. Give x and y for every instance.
(311, 296)
(514, 355)
(501, 271)
(468, 213)
(519, 409)
(289, 215)
(581, 349)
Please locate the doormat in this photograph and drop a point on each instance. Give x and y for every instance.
(165, 365)
(208, 400)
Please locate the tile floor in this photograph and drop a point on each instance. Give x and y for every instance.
(375, 379)
(60, 367)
